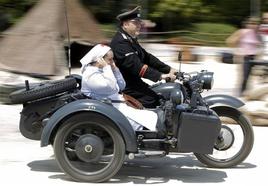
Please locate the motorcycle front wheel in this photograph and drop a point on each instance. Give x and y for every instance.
(234, 143)
(89, 148)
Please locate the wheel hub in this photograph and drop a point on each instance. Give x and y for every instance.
(225, 140)
(89, 148)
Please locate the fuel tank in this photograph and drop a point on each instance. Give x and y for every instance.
(168, 89)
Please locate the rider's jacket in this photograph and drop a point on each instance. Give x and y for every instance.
(135, 63)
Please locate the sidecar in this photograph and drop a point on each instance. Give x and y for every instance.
(91, 138)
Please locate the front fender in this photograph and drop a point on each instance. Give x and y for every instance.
(221, 99)
(91, 106)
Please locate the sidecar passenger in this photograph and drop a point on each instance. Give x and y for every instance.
(101, 79)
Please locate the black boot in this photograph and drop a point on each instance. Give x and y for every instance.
(160, 125)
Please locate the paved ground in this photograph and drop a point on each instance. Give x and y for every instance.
(23, 162)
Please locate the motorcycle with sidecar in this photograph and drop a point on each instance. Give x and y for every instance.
(91, 138)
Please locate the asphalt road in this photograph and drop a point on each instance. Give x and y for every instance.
(24, 162)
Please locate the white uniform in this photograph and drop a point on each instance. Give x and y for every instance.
(100, 83)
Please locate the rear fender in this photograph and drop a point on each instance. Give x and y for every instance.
(221, 99)
(87, 105)
(226, 109)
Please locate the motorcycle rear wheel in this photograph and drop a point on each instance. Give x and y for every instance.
(233, 121)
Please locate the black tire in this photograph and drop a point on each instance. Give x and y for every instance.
(243, 125)
(89, 124)
(42, 90)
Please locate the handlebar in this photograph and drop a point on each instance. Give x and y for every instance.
(178, 75)
(187, 76)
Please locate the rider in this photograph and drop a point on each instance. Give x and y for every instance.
(135, 63)
(102, 79)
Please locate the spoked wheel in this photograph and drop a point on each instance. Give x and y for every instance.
(89, 148)
(234, 142)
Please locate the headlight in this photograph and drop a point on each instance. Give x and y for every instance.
(207, 80)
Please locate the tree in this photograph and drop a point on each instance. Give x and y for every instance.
(229, 11)
(105, 11)
(173, 14)
(11, 10)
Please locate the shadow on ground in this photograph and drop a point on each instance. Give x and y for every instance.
(184, 168)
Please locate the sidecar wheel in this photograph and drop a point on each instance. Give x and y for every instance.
(89, 148)
(237, 143)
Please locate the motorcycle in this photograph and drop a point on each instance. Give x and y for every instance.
(91, 138)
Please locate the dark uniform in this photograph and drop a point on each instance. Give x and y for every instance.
(135, 63)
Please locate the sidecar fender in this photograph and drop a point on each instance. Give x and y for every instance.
(221, 99)
(88, 105)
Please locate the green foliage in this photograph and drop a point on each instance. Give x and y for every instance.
(205, 16)
(183, 8)
(213, 34)
(12, 10)
(176, 14)
(214, 28)
(230, 11)
(108, 29)
(105, 10)
(264, 6)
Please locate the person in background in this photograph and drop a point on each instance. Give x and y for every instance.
(135, 63)
(263, 30)
(248, 42)
(101, 79)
